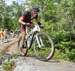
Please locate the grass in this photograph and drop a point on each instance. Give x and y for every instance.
(58, 55)
(8, 66)
(43, 52)
(1, 53)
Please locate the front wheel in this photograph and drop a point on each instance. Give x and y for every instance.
(43, 47)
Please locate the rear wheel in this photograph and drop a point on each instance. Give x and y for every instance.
(19, 42)
(44, 49)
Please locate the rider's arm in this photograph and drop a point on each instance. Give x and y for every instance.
(37, 20)
(21, 20)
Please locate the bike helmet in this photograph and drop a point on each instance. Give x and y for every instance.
(35, 9)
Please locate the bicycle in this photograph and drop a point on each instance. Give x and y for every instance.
(41, 43)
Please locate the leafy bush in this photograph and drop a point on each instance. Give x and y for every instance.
(65, 45)
(71, 55)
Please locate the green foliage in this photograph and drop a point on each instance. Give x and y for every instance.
(65, 43)
(9, 15)
(8, 66)
(60, 56)
(1, 53)
(71, 55)
(68, 55)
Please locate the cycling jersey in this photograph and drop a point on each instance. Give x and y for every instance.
(27, 19)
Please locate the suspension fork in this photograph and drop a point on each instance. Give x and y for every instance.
(39, 41)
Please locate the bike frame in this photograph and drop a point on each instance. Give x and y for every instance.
(30, 36)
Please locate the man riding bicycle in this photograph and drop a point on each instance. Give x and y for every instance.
(25, 20)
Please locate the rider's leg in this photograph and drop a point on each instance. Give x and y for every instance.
(23, 48)
(23, 39)
(23, 34)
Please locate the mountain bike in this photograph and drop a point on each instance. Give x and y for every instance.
(41, 43)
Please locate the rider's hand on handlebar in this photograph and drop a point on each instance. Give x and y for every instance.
(41, 26)
(30, 25)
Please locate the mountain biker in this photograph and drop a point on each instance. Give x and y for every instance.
(25, 20)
